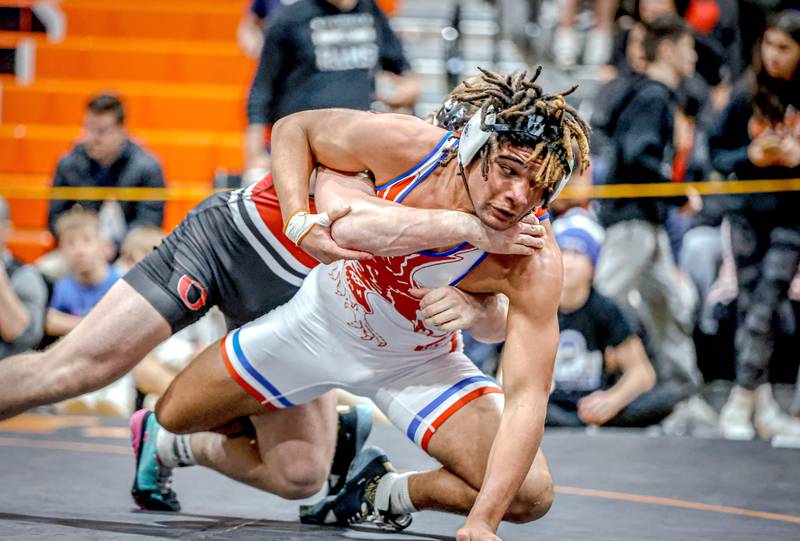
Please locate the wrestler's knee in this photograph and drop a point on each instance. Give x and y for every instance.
(170, 417)
(533, 500)
(300, 477)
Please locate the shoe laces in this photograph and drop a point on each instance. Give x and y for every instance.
(164, 479)
(382, 519)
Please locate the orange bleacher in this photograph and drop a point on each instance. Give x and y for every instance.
(148, 105)
(177, 68)
(166, 61)
(207, 20)
(188, 157)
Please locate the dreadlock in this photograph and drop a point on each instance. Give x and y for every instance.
(514, 98)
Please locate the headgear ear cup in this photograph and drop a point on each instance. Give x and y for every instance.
(561, 183)
(473, 137)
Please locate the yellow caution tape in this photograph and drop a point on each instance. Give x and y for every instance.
(572, 192)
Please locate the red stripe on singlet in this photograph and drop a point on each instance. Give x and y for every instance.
(268, 207)
(457, 405)
(391, 193)
(239, 379)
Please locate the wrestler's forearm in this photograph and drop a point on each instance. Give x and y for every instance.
(392, 229)
(292, 164)
(528, 358)
(512, 454)
(490, 326)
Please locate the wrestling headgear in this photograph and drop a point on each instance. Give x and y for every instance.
(536, 129)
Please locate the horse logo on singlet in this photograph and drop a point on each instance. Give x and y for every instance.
(386, 280)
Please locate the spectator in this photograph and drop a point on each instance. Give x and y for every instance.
(758, 137)
(23, 297)
(596, 344)
(106, 157)
(636, 267)
(250, 32)
(91, 276)
(318, 54)
(153, 375)
(717, 48)
(139, 242)
(599, 40)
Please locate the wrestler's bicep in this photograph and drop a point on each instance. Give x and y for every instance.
(386, 144)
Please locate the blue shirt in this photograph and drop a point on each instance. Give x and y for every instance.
(73, 297)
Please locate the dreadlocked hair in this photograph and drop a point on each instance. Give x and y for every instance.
(514, 98)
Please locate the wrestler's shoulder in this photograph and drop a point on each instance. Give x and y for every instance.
(542, 270)
(501, 273)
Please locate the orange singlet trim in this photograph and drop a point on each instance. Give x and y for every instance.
(457, 405)
(240, 380)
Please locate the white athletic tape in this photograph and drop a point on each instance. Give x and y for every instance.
(302, 222)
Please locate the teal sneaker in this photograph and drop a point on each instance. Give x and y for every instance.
(153, 481)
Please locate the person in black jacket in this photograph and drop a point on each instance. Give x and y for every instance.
(636, 260)
(758, 137)
(106, 157)
(319, 54)
(23, 297)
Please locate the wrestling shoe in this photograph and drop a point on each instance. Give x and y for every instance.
(356, 502)
(355, 424)
(152, 482)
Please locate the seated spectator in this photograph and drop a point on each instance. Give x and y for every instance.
(106, 157)
(154, 374)
(90, 277)
(23, 297)
(602, 370)
(139, 242)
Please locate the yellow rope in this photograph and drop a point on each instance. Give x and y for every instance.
(575, 192)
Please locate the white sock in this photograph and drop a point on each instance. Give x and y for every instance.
(392, 494)
(174, 450)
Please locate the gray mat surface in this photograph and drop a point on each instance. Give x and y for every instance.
(612, 485)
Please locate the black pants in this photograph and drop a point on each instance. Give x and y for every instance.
(648, 409)
(766, 261)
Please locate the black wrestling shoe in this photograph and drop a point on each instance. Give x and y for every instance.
(355, 503)
(355, 424)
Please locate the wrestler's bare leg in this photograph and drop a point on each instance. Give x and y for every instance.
(293, 449)
(462, 446)
(110, 340)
